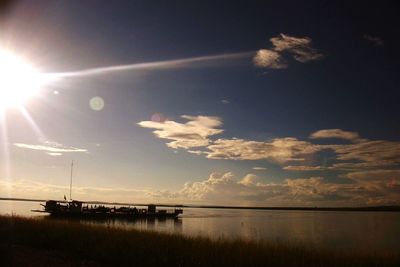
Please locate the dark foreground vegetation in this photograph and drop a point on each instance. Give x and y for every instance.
(38, 242)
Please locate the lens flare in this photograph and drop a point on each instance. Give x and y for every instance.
(96, 103)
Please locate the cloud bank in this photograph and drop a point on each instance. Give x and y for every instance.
(378, 187)
(225, 189)
(367, 171)
(198, 131)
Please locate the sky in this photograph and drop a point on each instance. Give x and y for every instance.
(253, 103)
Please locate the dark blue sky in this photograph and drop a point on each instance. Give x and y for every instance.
(354, 87)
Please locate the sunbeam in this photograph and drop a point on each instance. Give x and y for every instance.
(5, 157)
(166, 64)
(32, 123)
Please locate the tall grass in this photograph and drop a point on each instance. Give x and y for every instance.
(104, 246)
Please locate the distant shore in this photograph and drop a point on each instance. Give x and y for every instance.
(359, 208)
(34, 242)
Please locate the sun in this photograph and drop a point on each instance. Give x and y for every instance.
(18, 81)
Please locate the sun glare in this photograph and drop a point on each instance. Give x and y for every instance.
(18, 81)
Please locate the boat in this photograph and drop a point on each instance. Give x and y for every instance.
(79, 209)
(82, 210)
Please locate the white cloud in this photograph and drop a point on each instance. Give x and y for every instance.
(279, 150)
(194, 133)
(335, 133)
(51, 148)
(303, 168)
(225, 101)
(259, 168)
(375, 175)
(378, 186)
(217, 188)
(250, 179)
(374, 39)
(313, 186)
(265, 58)
(361, 165)
(285, 42)
(362, 154)
(370, 152)
(299, 47)
(54, 154)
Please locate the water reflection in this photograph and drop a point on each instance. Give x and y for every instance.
(338, 230)
(144, 224)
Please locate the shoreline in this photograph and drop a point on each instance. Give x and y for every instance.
(388, 208)
(87, 245)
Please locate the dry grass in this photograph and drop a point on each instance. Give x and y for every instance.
(74, 244)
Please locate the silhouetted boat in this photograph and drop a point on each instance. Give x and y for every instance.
(77, 209)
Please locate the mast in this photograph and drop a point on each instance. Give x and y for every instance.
(70, 184)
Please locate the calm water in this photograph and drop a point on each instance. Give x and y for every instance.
(371, 231)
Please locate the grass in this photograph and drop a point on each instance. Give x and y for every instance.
(35, 242)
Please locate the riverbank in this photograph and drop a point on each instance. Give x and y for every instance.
(305, 208)
(36, 242)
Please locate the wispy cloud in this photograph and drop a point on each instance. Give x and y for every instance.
(259, 168)
(385, 176)
(362, 165)
(274, 58)
(361, 155)
(335, 133)
(51, 148)
(373, 153)
(54, 154)
(278, 150)
(194, 133)
(377, 41)
(303, 168)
